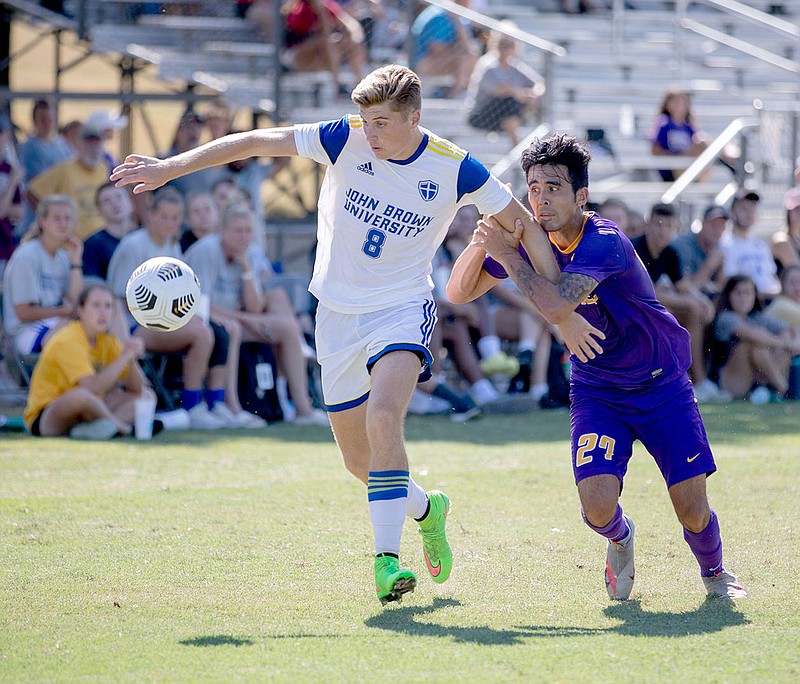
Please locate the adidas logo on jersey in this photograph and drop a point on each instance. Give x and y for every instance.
(366, 168)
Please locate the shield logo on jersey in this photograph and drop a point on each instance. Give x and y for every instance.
(428, 189)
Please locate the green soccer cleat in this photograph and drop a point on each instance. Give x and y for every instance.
(438, 556)
(391, 582)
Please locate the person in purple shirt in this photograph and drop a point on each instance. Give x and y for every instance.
(632, 384)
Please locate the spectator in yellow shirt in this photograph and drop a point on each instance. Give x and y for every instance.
(78, 178)
(86, 381)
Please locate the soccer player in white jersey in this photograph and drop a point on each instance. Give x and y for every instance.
(389, 195)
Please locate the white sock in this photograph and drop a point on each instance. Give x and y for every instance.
(387, 492)
(417, 500)
(488, 346)
(526, 345)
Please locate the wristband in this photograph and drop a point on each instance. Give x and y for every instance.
(247, 276)
(75, 266)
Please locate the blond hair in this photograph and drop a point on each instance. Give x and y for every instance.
(394, 84)
(43, 209)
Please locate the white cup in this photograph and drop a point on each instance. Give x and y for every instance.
(144, 411)
(204, 307)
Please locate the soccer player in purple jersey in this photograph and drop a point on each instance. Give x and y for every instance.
(637, 388)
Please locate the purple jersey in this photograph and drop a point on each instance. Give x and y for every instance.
(645, 346)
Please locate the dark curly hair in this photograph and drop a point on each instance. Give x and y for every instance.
(560, 148)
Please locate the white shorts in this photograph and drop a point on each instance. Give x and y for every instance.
(29, 339)
(349, 345)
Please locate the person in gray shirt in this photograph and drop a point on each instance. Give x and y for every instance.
(502, 89)
(43, 278)
(226, 263)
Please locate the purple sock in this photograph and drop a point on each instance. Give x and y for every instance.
(706, 547)
(616, 530)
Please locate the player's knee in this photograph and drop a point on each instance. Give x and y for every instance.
(383, 420)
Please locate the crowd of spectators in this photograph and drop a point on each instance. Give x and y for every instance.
(68, 237)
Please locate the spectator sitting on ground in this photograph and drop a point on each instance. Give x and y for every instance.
(78, 178)
(116, 208)
(43, 279)
(749, 345)
(205, 347)
(320, 35)
(688, 304)
(786, 243)
(699, 256)
(744, 254)
(786, 306)
(444, 46)
(223, 263)
(502, 89)
(11, 206)
(86, 381)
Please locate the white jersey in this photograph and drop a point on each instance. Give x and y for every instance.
(380, 222)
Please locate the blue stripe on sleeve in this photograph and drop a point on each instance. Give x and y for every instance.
(333, 136)
(471, 176)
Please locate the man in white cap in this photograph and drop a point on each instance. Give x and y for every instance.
(107, 122)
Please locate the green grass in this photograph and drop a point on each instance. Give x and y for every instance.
(244, 557)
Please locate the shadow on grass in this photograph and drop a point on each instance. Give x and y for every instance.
(216, 640)
(713, 615)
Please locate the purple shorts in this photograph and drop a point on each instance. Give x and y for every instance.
(604, 425)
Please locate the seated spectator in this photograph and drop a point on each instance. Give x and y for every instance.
(78, 178)
(750, 346)
(86, 381)
(786, 243)
(261, 14)
(226, 192)
(744, 254)
(443, 47)
(202, 218)
(43, 148)
(616, 211)
(224, 264)
(187, 136)
(204, 347)
(107, 123)
(688, 304)
(11, 207)
(786, 306)
(698, 253)
(116, 208)
(320, 35)
(503, 89)
(675, 130)
(43, 279)
(219, 118)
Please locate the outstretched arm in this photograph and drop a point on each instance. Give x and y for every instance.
(150, 173)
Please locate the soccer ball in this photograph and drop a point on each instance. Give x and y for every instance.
(163, 294)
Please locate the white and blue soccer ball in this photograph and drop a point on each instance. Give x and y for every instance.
(163, 294)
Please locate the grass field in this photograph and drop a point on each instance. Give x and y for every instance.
(246, 557)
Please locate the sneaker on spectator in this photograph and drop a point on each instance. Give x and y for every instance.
(177, 419)
(500, 364)
(243, 419)
(98, 430)
(483, 392)
(316, 417)
(708, 392)
(467, 415)
(200, 418)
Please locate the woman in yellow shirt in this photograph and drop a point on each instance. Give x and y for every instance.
(86, 381)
